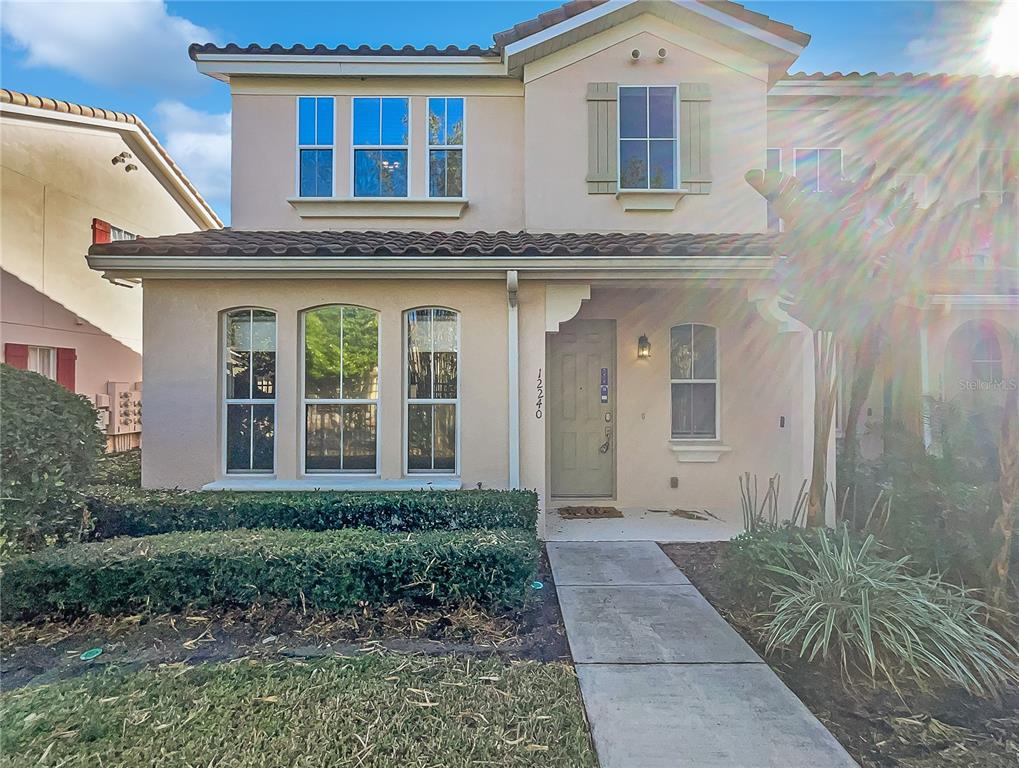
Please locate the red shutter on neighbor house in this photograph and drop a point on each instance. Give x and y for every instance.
(65, 366)
(100, 231)
(16, 355)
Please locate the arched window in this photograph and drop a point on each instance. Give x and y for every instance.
(985, 354)
(341, 389)
(694, 377)
(433, 390)
(249, 354)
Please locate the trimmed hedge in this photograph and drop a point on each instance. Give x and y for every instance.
(118, 511)
(329, 571)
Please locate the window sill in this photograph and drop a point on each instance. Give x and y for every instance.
(379, 207)
(693, 452)
(650, 199)
(336, 483)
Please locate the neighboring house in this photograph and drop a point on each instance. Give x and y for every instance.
(73, 176)
(503, 267)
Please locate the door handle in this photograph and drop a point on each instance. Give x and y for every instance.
(604, 447)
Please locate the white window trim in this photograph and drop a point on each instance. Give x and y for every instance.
(51, 353)
(406, 147)
(407, 402)
(225, 401)
(462, 146)
(304, 401)
(678, 441)
(819, 150)
(619, 141)
(300, 146)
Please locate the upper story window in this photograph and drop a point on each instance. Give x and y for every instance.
(445, 147)
(999, 170)
(648, 137)
(694, 378)
(341, 389)
(818, 169)
(249, 354)
(315, 116)
(380, 146)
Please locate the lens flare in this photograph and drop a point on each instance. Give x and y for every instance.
(1002, 51)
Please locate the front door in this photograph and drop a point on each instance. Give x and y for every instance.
(582, 409)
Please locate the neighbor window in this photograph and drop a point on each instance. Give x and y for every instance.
(249, 353)
(43, 360)
(694, 376)
(985, 354)
(648, 143)
(315, 116)
(818, 169)
(445, 147)
(773, 162)
(433, 389)
(999, 169)
(380, 147)
(341, 389)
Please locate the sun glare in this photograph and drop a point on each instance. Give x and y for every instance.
(1002, 51)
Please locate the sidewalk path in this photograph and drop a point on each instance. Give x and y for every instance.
(666, 681)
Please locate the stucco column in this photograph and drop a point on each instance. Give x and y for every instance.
(390, 419)
(288, 388)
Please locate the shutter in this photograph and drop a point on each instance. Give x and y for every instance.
(65, 366)
(695, 137)
(16, 356)
(100, 231)
(602, 129)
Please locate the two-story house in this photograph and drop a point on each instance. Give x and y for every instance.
(73, 175)
(535, 265)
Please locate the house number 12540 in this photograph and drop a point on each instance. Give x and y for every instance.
(541, 396)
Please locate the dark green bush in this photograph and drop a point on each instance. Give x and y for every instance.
(117, 511)
(329, 571)
(48, 450)
(123, 468)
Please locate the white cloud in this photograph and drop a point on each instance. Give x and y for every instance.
(955, 41)
(133, 42)
(199, 142)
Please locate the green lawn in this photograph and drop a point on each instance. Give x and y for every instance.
(371, 710)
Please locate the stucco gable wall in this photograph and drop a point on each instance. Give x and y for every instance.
(556, 154)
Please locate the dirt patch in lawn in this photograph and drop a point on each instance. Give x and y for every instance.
(947, 729)
(44, 652)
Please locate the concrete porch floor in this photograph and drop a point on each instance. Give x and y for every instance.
(636, 524)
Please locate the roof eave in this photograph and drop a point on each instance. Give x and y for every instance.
(224, 66)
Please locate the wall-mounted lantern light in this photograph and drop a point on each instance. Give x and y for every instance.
(643, 348)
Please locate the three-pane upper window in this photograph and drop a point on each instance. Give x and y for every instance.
(380, 135)
(249, 353)
(341, 389)
(445, 147)
(315, 136)
(648, 137)
(694, 377)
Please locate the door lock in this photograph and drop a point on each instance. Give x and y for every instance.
(604, 447)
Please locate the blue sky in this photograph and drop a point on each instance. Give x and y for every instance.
(131, 55)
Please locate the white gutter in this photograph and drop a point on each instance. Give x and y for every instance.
(513, 352)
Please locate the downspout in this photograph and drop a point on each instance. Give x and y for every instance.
(513, 353)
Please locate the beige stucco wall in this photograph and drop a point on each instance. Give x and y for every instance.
(54, 179)
(183, 444)
(265, 151)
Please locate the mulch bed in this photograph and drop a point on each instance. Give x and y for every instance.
(44, 652)
(946, 729)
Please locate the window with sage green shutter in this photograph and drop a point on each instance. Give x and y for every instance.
(694, 141)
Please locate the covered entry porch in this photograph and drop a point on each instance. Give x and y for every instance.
(658, 395)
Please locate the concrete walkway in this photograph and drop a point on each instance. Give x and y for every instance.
(666, 681)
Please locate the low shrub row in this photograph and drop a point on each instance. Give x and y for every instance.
(329, 571)
(120, 511)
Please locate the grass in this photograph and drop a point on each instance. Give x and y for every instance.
(367, 711)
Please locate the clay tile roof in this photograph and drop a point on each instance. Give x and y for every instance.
(56, 105)
(340, 50)
(230, 242)
(575, 7)
(904, 78)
